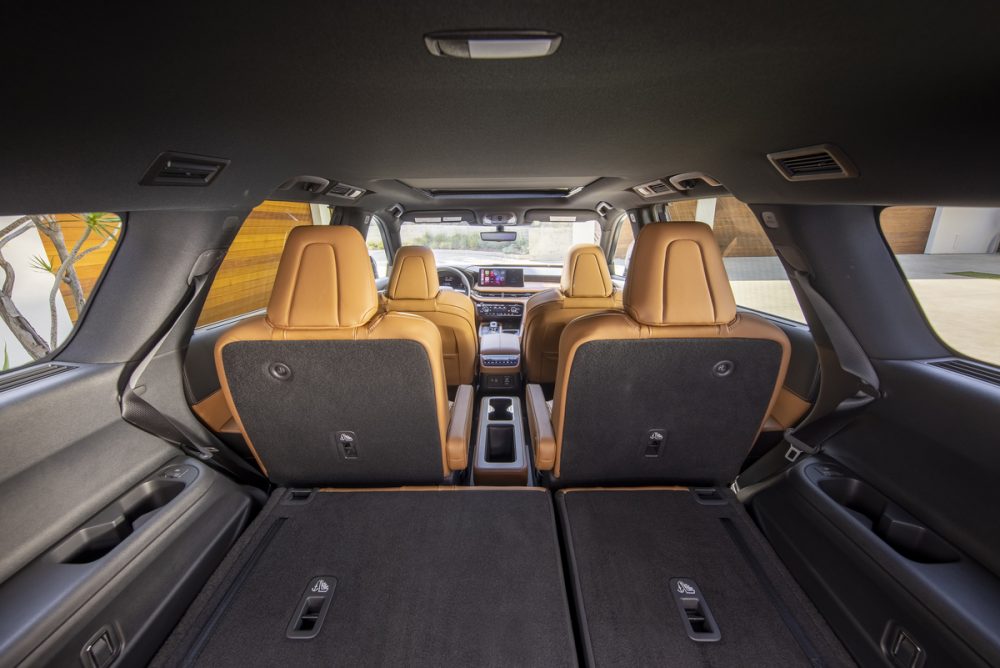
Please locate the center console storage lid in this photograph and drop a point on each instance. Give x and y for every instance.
(498, 343)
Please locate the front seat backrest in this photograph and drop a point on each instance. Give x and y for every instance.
(326, 389)
(674, 389)
(585, 288)
(413, 288)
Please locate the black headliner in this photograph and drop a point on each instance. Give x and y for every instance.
(637, 91)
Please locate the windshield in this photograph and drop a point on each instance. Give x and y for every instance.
(537, 243)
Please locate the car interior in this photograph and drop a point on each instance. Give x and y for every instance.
(452, 333)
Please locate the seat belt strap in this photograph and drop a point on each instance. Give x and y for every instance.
(850, 354)
(852, 359)
(140, 413)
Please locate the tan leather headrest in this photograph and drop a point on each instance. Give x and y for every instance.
(324, 280)
(585, 273)
(677, 277)
(414, 274)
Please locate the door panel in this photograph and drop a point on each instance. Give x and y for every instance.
(893, 528)
(89, 543)
(65, 453)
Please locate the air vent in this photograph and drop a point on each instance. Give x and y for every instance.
(971, 369)
(345, 191)
(31, 374)
(653, 189)
(183, 169)
(814, 163)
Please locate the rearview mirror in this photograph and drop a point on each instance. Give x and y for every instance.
(498, 236)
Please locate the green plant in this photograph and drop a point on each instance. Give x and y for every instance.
(41, 264)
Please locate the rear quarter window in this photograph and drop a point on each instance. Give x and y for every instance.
(949, 257)
(50, 265)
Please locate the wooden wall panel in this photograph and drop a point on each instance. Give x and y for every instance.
(89, 267)
(736, 229)
(738, 232)
(907, 228)
(244, 281)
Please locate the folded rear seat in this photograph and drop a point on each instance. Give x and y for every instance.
(421, 576)
(328, 390)
(674, 576)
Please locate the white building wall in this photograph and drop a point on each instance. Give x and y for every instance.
(964, 230)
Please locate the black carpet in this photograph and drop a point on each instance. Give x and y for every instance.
(464, 577)
(624, 547)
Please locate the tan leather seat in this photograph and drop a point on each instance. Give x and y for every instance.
(327, 390)
(413, 288)
(585, 288)
(674, 389)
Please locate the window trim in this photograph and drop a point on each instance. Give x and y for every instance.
(616, 235)
(375, 220)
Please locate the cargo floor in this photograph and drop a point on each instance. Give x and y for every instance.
(628, 550)
(463, 577)
(474, 577)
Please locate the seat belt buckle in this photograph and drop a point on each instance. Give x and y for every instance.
(796, 447)
(201, 452)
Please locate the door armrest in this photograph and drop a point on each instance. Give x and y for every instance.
(460, 428)
(543, 439)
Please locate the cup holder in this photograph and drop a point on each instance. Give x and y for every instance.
(109, 529)
(892, 524)
(500, 409)
(865, 503)
(500, 443)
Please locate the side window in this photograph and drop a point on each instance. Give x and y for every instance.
(949, 257)
(623, 248)
(243, 283)
(49, 266)
(759, 280)
(376, 248)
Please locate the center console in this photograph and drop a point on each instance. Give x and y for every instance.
(500, 310)
(500, 457)
(499, 359)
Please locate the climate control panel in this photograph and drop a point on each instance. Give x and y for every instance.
(493, 310)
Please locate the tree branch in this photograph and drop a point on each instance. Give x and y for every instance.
(11, 316)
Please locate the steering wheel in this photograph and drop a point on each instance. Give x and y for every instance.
(461, 276)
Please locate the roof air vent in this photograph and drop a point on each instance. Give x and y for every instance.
(183, 169)
(977, 371)
(814, 163)
(653, 189)
(345, 191)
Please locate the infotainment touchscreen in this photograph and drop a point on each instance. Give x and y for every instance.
(501, 277)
